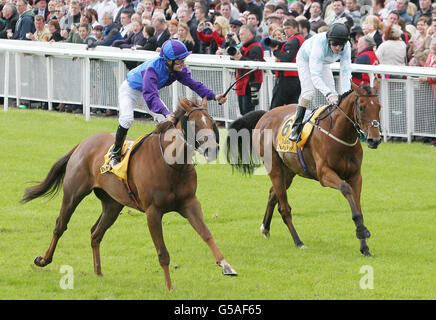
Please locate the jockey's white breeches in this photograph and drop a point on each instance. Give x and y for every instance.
(129, 99)
(307, 87)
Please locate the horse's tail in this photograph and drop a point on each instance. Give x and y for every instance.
(52, 182)
(239, 151)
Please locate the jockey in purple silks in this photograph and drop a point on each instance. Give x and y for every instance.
(142, 88)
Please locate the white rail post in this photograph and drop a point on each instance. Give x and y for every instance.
(410, 108)
(86, 67)
(6, 87)
(175, 93)
(49, 67)
(226, 84)
(17, 78)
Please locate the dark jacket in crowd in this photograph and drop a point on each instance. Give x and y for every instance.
(132, 40)
(25, 24)
(9, 24)
(164, 37)
(111, 33)
(56, 36)
(150, 44)
(46, 13)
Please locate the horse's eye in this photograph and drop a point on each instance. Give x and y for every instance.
(361, 108)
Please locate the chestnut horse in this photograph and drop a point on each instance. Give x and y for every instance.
(332, 154)
(161, 177)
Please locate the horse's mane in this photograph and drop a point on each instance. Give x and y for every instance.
(346, 94)
(182, 107)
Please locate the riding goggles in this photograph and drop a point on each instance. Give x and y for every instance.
(179, 61)
(336, 43)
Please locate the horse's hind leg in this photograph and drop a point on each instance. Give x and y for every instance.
(280, 181)
(272, 201)
(71, 199)
(192, 211)
(110, 213)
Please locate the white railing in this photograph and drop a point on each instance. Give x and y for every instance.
(68, 73)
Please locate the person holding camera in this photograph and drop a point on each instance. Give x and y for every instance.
(287, 88)
(313, 61)
(220, 28)
(247, 89)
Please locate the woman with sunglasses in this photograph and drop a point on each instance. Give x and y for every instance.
(142, 88)
(313, 61)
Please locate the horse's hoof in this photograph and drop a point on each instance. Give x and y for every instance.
(227, 269)
(302, 246)
(366, 253)
(40, 262)
(264, 231)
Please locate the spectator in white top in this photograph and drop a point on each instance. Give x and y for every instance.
(106, 6)
(393, 50)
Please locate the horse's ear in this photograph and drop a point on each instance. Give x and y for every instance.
(357, 89)
(185, 104)
(204, 102)
(354, 86)
(376, 86)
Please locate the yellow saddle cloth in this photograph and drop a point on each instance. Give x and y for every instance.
(120, 170)
(283, 142)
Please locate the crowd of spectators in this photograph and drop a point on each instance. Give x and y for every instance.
(399, 32)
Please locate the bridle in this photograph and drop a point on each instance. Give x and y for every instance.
(184, 135)
(374, 123)
(184, 124)
(356, 125)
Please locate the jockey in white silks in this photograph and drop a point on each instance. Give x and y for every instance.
(313, 61)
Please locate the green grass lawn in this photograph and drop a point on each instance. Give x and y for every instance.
(398, 203)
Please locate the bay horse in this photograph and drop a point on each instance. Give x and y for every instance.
(157, 185)
(332, 154)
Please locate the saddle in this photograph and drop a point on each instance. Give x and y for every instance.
(129, 148)
(283, 142)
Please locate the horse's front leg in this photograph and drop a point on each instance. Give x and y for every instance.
(154, 221)
(191, 210)
(329, 178)
(362, 232)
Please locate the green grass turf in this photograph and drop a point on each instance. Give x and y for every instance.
(398, 203)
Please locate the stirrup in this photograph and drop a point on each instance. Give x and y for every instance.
(295, 134)
(115, 158)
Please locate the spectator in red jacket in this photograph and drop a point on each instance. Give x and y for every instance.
(431, 63)
(365, 55)
(220, 29)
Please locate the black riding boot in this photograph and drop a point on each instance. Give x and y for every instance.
(296, 126)
(118, 146)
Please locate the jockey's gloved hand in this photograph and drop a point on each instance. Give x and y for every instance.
(333, 99)
(171, 117)
(221, 98)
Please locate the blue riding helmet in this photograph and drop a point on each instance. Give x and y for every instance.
(174, 50)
